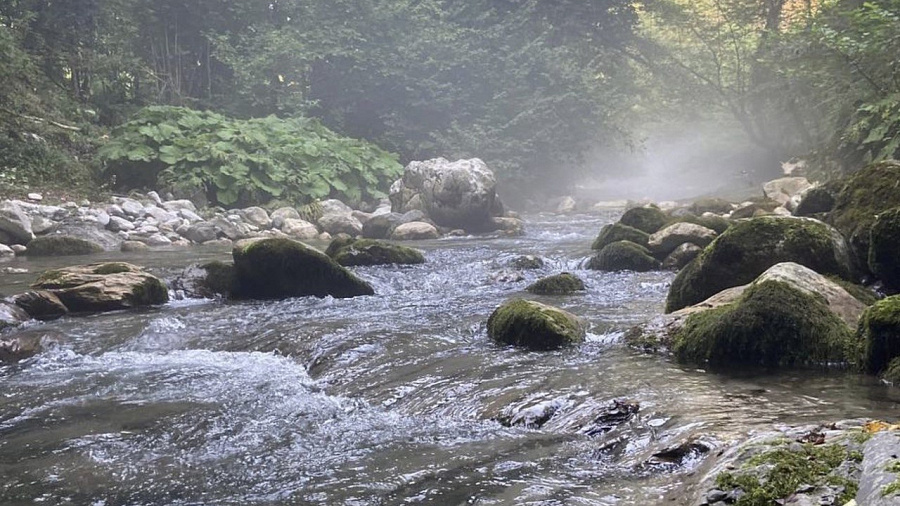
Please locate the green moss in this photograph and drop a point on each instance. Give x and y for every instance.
(113, 268)
(560, 284)
(879, 333)
(884, 243)
(623, 256)
(711, 205)
(220, 277)
(353, 252)
(817, 200)
(747, 249)
(646, 219)
(150, 292)
(891, 489)
(535, 326)
(280, 268)
(865, 194)
(618, 232)
(61, 245)
(786, 471)
(771, 324)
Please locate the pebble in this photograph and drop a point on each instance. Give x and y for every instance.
(37, 197)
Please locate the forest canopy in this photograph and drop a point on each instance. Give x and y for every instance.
(533, 87)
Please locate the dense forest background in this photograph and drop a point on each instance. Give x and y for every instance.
(299, 99)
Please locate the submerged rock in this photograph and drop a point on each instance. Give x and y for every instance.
(559, 284)
(103, 287)
(616, 232)
(535, 326)
(61, 245)
(750, 247)
(623, 256)
(645, 219)
(352, 252)
(282, 268)
(526, 262)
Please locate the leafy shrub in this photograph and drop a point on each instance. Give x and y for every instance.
(245, 161)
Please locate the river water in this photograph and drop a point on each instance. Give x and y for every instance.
(391, 399)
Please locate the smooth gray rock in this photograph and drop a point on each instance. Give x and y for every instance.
(879, 453)
(201, 232)
(15, 223)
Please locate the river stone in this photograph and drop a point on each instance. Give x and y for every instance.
(814, 201)
(340, 224)
(646, 219)
(11, 315)
(15, 223)
(508, 226)
(61, 245)
(710, 205)
(353, 252)
(559, 284)
(847, 307)
(884, 244)
(879, 330)
(107, 240)
(134, 246)
(623, 256)
(460, 194)
(162, 216)
(205, 281)
(749, 247)
(415, 230)
(527, 262)
(284, 213)
(20, 346)
(18, 249)
(566, 205)
(335, 207)
(158, 240)
(41, 305)
(615, 232)
(282, 268)
(175, 206)
(6, 253)
(535, 326)
(103, 287)
(381, 226)
(784, 189)
(681, 256)
(299, 229)
(257, 216)
(132, 207)
(666, 240)
(234, 230)
(117, 224)
(41, 225)
(201, 232)
(190, 216)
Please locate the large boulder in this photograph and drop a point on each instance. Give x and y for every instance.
(15, 224)
(336, 224)
(750, 247)
(61, 245)
(299, 229)
(666, 240)
(205, 281)
(380, 226)
(815, 200)
(616, 232)
(460, 194)
(864, 196)
(623, 256)
(681, 256)
(103, 287)
(879, 332)
(785, 189)
(559, 284)
(352, 252)
(93, 232)
(282, 268)
(534, 326)
(884, 246)
(646, 219)
(415, 231)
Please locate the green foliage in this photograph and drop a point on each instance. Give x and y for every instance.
(245, 161)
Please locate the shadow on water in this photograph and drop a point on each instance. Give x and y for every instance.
(389, 399)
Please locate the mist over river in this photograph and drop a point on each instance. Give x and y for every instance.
(391, 399)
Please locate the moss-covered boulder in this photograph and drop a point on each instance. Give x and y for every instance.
(884, 248)
(713, 222)
(615, 232)
(879, 333)
(816, 200)
(750, 247)
(534, 326)
(527, 262)
(864, 196)
(282, 268)
(647, 219)
(772, 324)
(205, 281)
(623, 256)
(666, 240)
(103, 287)
(559, 284)
(61, 245)
(711, 205)
(352, 252)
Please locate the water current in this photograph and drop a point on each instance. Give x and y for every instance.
(391, 399)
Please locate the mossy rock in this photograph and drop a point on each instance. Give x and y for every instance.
(624, 256)
(353, 252)
(718, 223)
(282, 268)
(750, 247)
(61, 245)
(559, 284)
(772, 324)
(527, 262)
(815, 201)
(711, 205)
(884, 248)
(208, 281)
(616, 232)
(534, 326)
(879, 332)
(103, 287)
(892, 373)
(646, 219)
(866, 194)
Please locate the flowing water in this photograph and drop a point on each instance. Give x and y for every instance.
(391, 399)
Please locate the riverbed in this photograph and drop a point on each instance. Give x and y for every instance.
(391, 399)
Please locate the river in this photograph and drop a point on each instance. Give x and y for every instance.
(391, 399)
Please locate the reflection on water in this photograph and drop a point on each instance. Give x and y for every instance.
(378, 400)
